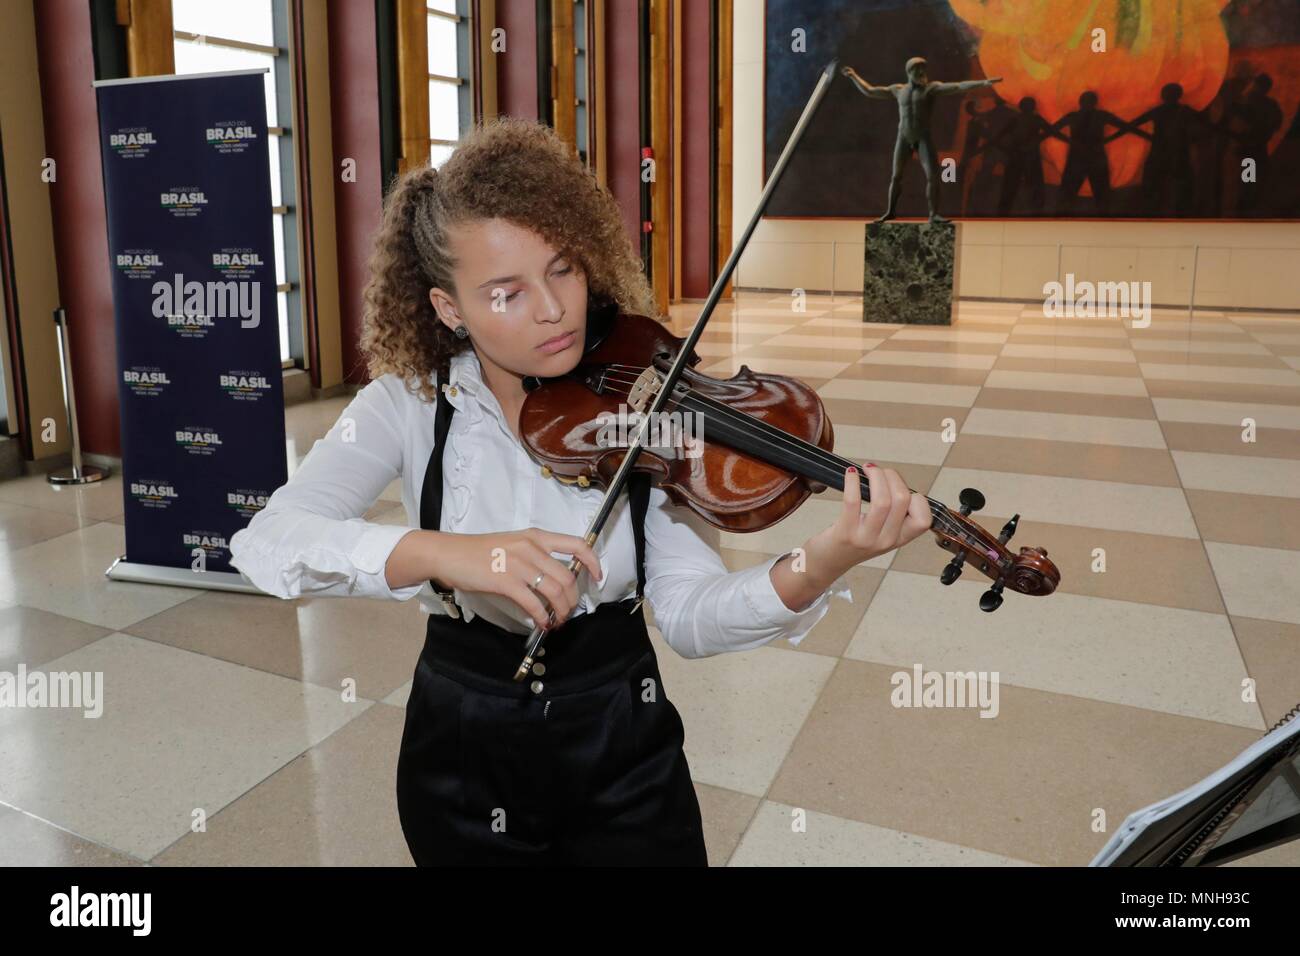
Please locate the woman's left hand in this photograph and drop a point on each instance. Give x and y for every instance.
(894, 516)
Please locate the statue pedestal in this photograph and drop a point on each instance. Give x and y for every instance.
(909, 272)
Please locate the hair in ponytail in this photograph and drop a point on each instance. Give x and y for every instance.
(509, 168)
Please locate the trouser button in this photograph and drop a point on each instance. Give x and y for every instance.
(537, 686)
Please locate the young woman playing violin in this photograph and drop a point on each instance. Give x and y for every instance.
(485, 272)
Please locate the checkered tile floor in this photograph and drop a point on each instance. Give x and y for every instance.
(1159, 467)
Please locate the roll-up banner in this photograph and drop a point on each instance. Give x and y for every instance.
(188, 195)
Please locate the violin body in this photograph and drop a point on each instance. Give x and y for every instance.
(571, 428)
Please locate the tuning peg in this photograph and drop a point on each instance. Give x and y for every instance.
(1009, 529)
(952, 570)
(971, 500)
(991, 599)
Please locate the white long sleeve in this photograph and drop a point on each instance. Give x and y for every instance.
(310, 538)
(702, 609)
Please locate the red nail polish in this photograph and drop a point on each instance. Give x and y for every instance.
(871, 464)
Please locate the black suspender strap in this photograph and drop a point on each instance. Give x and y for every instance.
(638, 493)
(431, 493)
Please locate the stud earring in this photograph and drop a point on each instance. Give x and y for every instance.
(462, 332)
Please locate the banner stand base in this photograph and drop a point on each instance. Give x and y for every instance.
(124, 570)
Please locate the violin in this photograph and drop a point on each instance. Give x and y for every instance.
(768, 444)
(763, 445)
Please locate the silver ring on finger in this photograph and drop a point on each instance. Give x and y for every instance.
(546, 603)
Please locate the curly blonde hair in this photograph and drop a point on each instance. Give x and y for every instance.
(509, 168)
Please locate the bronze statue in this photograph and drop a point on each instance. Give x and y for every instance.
(915, 99)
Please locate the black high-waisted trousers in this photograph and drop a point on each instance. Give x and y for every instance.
(581, 764)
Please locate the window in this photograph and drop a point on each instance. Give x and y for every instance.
(244, 35)
(450, 110)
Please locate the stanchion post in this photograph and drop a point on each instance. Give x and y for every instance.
(77, 474)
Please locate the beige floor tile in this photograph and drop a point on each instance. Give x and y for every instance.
(28, 841)
(97, 501)
(1053, 426)
(1114, 406)
(928, 359)
(839, 340)
(1229, 374)
(1122, 355)
(1234, 392)
(918, 374)
(1229, 363)
(323, 641)
(65, 575)
(21, 525)
(1266, 521)
(741, 711)
(179, 732)
(1052, 381)
(899, 392)
(1045, 333)
(335, 805)
(847, 411)
(761, 357)
(931, 334)
(1023, 785)
(1270, 443)
(1066, 459)
(838, 320)
(1243, 474)
(782, 835)
(1162, 659)
(33, 637)
(1192, 411)
(1083, 368)
(1271, 650)
(725, 814)
(1146, 345)
(1257, 582)
(942, 346)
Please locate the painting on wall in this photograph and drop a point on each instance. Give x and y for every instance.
(1104, 108)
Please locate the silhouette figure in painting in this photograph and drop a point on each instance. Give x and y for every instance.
(1262, 118)
(989, 159)
(1086, 159)
(915, 100)
(1168, 166)
(978, 132)
(1023, 141)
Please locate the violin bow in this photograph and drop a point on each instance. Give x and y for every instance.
(669, 380)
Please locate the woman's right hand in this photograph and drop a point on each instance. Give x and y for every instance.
(507, 563)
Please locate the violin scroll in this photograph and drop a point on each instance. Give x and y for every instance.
(1029, 572)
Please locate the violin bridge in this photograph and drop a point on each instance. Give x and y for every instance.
(643, 390)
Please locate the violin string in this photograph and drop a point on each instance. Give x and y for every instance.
(790, 442)
(942, 514)
(780, 436)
